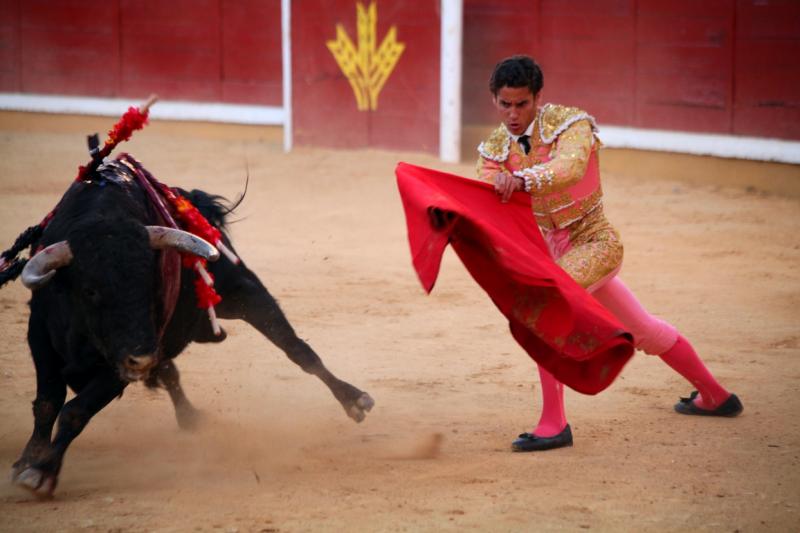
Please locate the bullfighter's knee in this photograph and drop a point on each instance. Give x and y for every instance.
(656, 337)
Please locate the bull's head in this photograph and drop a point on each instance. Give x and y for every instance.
(111, 286)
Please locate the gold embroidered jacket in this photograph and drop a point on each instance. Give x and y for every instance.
(564, 179)
(561, 168)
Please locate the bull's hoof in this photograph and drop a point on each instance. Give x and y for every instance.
(34, 480)
(358, 409)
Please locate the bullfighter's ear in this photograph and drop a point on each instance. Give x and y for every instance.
(42, 267)
(183, 241)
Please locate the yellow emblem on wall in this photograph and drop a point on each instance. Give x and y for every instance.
(367, 68)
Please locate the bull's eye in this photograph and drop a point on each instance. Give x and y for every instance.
(91, 294)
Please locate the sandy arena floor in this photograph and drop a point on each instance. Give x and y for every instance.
(325, 231)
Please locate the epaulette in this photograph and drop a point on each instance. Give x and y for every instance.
(496, 146)
(555, 119)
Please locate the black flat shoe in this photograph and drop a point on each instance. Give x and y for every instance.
(730, 407)
(528, 442)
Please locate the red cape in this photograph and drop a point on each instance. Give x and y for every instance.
(554, 319)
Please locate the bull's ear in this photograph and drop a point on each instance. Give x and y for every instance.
(183, 241)
(42, 267)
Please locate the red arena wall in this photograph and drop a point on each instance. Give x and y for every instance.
(720, 66)
(204, 50)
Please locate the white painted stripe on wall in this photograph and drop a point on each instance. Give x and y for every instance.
(733, 146)
(164, 109)
(286, 71)
(450, 80)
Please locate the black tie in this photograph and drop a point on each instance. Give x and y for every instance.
(525, 142)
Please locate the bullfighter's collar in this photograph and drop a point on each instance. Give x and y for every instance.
(552, 121)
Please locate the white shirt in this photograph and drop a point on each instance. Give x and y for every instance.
(528, 132)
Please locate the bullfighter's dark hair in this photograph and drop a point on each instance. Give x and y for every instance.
(517, 71)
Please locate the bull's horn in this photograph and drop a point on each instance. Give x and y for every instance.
(42, 266)
(161, 238)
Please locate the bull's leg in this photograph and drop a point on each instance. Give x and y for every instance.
(249, 300)
(168, 377)
(41, 476)
(49, 400)
(50, 394)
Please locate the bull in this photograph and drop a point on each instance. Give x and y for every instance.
(98, 320)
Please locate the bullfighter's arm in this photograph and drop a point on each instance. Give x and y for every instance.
(568, 165)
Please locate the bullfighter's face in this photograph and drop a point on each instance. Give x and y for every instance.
(516, 107)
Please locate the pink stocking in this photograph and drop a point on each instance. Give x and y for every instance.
(685, 361)
(553, 419)
(656, 337)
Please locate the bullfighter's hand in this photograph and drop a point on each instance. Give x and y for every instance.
(505, 185)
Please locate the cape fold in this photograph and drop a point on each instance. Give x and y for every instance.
(560, 325)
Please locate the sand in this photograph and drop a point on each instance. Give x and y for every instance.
(325, 232)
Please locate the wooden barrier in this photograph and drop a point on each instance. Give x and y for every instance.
(720, 66)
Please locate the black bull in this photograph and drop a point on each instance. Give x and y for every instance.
(94, 327)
